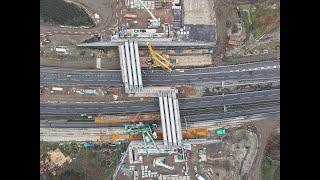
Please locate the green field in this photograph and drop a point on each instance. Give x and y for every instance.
(270, 171)
(264, 20)
(93, 163)
(61, 13)
(245, 21)
(271, 161)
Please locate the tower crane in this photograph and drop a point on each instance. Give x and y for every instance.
(154, 22)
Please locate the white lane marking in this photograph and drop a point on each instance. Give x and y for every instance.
(273, 94)
(246, 98)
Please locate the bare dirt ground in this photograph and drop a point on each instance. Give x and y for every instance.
(186, 91)
(65, 39)
(197, 12)
(265, 129)
(185, 61)
(226, 15)
(247, 59)
(102, 7)
(165, 16)
(70, 94)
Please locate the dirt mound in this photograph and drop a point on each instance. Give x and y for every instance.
(58, 158)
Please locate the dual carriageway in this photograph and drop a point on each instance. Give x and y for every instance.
(258, 71)
(263, 71)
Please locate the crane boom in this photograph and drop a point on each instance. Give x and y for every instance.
(153, 17)
(154, 22)
(158, 59)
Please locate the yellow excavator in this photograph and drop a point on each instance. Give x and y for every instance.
(159, 60)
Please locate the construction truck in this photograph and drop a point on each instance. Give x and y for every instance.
(159, 162)
(199, 177)
(154, 22)
(158, 60)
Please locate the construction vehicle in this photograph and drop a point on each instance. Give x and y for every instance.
(154, 22)
(199, 177)
(158, 60)
(160, 162)
(220, 132)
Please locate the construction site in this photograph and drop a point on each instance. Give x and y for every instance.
(159, 20)
(157, 90)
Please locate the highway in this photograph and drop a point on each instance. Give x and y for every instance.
(190, 118)
(153, 106)
(258, 71)
(231, 114)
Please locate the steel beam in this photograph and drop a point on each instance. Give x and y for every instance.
(126, 45)
(133, 64)
(136, 50)
(172, 121)
(163, 122)
(177, 118)
(123, 66)
(168, 127)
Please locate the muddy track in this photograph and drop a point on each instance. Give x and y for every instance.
(226, 14)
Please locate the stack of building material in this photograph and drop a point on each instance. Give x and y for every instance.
(135, 4)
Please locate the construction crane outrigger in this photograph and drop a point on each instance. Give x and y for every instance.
(159, 60)
(154, 22)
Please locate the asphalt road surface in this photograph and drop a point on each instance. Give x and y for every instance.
(153, 106)
(231, 114)
(192, 118)
(258, 71)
